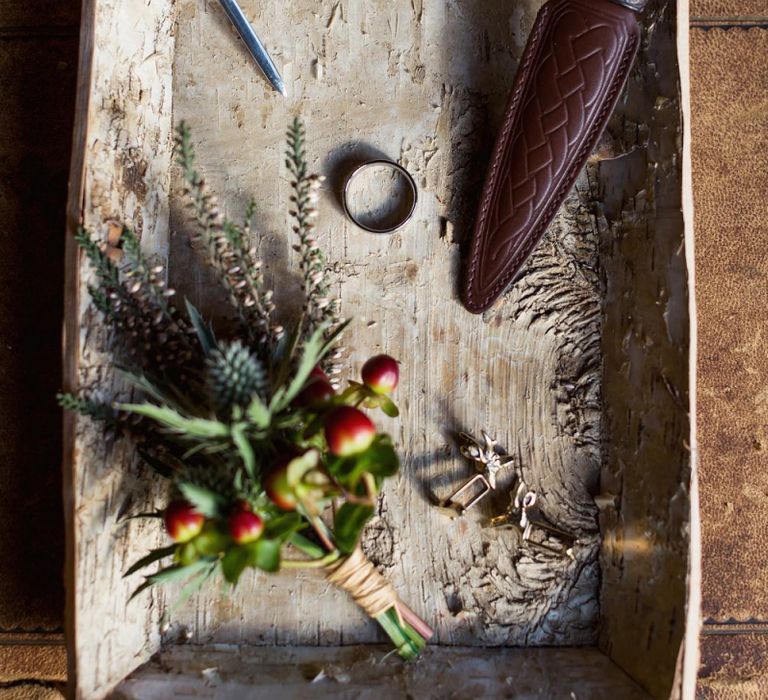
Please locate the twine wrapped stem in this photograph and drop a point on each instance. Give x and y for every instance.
(375, 595)
(369, 589)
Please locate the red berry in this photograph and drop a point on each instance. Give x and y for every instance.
(381, 374)
(245, 526)
(276, 486)
(348, 431)
(318, 372)
(316, 391)
(182, 521)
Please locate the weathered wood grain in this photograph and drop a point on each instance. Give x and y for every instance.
(120, 172)
(645, 339)
(363, 673)
(423, 82)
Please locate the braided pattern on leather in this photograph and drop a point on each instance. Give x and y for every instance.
(574, 66)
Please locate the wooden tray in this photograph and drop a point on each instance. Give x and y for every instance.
(581, 371)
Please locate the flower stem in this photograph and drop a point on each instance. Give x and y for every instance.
(407, 642)
(312, 564)
(423, 629)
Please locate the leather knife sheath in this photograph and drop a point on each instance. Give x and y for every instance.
(571, 74)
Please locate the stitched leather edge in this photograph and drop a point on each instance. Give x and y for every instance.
(534, 235)
(531, 51)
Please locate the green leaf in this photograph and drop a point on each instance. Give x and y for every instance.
(200, 428)
(206, 502)
(299, 466)
(265, 554)
(333, 337)
(258, 412)
(179, 573)
(380, 459)
(146, 385)
(212, 540)
(172, 573)
(193, 586)
(153, 556)
(234, 563)
(243, 445)
(388, 406)
(284, 526)
(304, 544)
(187, 553)
(204, 331)
(349, 523)
(283, 355)
(314, 350)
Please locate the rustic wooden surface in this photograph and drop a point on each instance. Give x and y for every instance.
(420, 82)
(645, 337)
(362, 673)
(120, 171)
(381, 78)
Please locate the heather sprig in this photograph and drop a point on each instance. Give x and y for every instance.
(229, 251)
(320, 308)
(85, 406)
(135, 301)
(146, 282)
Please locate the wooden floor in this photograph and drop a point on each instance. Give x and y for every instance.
(38, 66)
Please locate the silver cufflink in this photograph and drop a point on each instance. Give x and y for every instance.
(488, 461)
(525, 515)
(524, 512)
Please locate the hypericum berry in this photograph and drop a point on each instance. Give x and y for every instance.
(317, 390)
(318, 372)
(182, 521)
(245, 526)
(348, 431)
(381, 374)
(276, 486)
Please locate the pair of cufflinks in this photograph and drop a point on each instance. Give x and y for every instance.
(524, 513)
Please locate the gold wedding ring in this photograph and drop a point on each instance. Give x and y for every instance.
(379, 196)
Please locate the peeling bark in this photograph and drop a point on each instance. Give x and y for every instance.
(646, 462)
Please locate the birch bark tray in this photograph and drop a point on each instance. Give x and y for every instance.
(580, 372)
